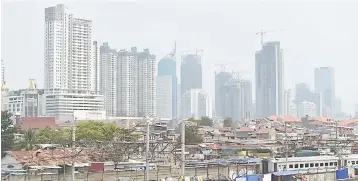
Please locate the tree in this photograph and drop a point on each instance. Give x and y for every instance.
(28, 140)
(205, 121)
(191, 135)
(96, 131)
(228, 122)
(54, 136)
(7, 132)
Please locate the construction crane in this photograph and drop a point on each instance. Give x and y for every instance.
(222, 66)
(263, 32)
(198, 50)
(173, 53)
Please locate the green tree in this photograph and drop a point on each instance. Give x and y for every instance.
(96, 131)
(7, 132)
(191, 135)
(50, 135)
(27, 141)
(205, 121)
(228, 122)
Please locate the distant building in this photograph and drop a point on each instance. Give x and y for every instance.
(2, 71)
(248, 107)
(191, 73)
(293, 110)
(325, 84)
(269, 80)
(287, 102)
(167, 67)
(25, 102)
(304, 94)
(136, 86)
(232, 100)
(195, 103)
(71, 64)
(307, 109)
(356, 111)
(108, 78)
(221, 79)
(165, 96)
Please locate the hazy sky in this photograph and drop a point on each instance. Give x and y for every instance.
(313, 34)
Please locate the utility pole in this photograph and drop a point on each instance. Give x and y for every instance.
(286, 146)
(147, 152)
(73, 148)
(183, 148)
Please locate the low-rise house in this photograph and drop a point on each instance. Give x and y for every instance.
(244, 132)
(56, 160)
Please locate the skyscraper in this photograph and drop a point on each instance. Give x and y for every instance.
(68, 51)
(167, 67)
(195, 103)
(248, 108)
(269, 80)
(136, 84)
(165, 96)
(2, 72)
(232, 100)
(191, 73)
(69, 67)
(325, 84)
(108, 78)
(287, 103)
(221, 79)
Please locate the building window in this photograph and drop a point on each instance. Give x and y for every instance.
(296, 165)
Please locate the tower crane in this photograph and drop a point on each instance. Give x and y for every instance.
(173, 53)
(263, 32)
(198, 50)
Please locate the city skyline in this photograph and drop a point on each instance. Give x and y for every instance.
(347, 97)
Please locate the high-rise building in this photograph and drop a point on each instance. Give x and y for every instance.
(269, 80)
(191, 73)
(287, 102)
(96, 61)
(167, 67)
(356, 111)
(136, 84)
(307, 109)
(247, 89)
(108, 78)
(221, 79)
(68, 51)
(69, 66)
(195, 103)
(232, 100)
(165, 96)
(337, 107)
(325, 84)
(2, 71)
(317, 100)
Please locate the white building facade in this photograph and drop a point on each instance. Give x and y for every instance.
(307, 109)
(26, 102)
(164, 96)
(195, 103)
(70, 64)
(108, 78)
(136, 84)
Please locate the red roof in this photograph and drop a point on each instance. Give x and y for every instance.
(347, 122)
(285, 118)
(37, 122)
(245, 129)
(59, 156)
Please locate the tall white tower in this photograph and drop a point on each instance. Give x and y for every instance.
(67, 51)
(70, 65)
